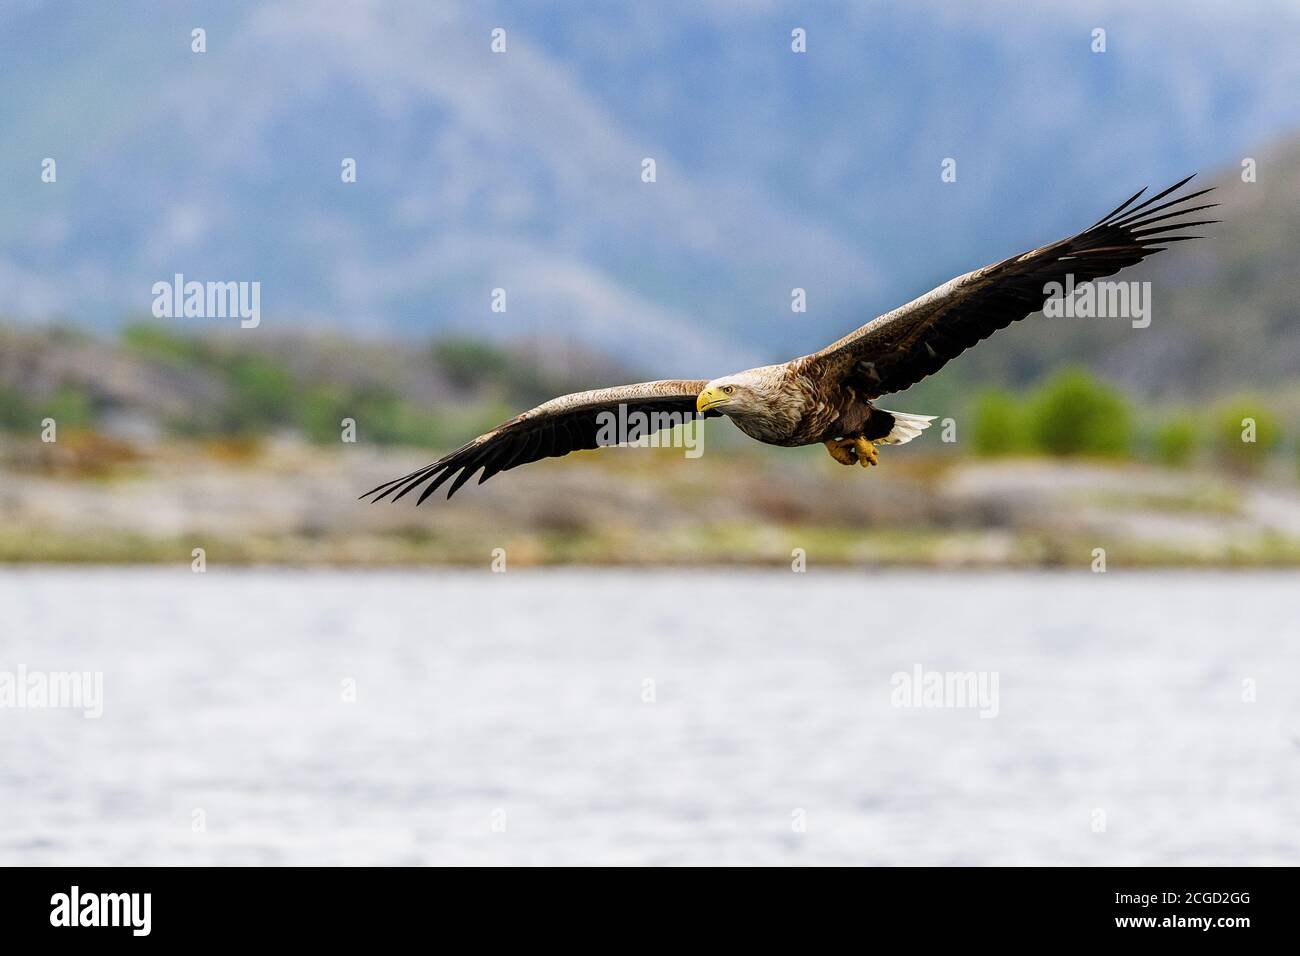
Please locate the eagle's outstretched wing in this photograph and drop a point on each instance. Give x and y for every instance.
(555, 428)
(902, 347)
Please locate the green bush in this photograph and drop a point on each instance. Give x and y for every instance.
(998, 424)
(155, 341)
(321, 411)
(1174, 442)
(69, 407)
(15, 412)
(412, 426)
(1236, 421)
(382, 418)
(1073, 413)
(469, 363)
(262, 395)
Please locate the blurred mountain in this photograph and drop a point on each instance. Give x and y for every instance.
(150, 383)
(522, 170)
(1227, 313)
(1225, 310)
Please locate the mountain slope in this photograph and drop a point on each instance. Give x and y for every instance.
(775, 170)
(1225, 310)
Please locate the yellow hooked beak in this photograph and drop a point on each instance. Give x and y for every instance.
(710, 398)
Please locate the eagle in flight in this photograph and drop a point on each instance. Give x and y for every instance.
(829, 396)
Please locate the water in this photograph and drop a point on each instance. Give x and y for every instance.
(502, 718)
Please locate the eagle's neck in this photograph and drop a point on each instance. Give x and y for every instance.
(775, 418)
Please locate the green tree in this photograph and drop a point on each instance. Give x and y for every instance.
(1073, 413)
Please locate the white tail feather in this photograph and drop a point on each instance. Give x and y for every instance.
(906, 427)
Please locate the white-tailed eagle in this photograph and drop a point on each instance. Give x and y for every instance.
(827, 397)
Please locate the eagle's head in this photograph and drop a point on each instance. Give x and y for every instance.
(744, 394)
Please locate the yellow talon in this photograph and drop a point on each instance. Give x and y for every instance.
(843, 450)
(866, 452)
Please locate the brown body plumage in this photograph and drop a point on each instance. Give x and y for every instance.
(828, 396)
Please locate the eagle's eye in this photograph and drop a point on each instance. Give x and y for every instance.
(728, 389)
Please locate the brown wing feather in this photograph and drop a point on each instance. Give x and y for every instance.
(564, 424)
(899, 349)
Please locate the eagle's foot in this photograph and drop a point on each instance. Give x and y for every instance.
(843, 450)
(866, 452)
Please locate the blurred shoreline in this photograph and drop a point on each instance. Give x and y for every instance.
(285, 502)
(252, 451)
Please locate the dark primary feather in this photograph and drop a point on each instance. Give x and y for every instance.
(564, 424)
(902, 347)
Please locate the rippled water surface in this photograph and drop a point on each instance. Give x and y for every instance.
(585, 716)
